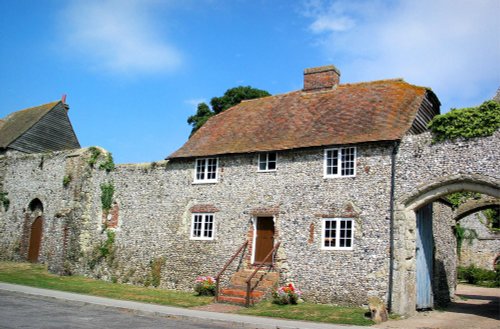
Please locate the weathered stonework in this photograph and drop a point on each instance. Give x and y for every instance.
(153, 206)
(483, 251)
(425, 172)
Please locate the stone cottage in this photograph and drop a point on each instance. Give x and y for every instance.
(339, 184)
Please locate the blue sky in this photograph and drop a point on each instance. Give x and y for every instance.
(134, 70)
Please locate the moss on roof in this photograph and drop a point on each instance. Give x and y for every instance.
(17, 123)
(349, 113)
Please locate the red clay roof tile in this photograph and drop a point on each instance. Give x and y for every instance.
(349, 113)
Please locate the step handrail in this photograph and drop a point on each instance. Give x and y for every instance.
(217, 278)
(249, 279)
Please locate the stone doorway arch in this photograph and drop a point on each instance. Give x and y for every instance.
(35, 222)
(404, 290)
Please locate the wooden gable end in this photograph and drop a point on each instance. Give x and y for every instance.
(53, 132)
(429, 108)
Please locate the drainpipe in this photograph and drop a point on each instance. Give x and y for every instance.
(395, 148)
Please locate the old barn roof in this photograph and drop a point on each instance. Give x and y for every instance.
(345, 114)
(38, 129)
(17, 123)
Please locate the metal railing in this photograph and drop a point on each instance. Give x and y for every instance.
(217, 278)
(262, 263)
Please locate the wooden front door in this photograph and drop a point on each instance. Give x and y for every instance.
(35, 239)
(264, 238)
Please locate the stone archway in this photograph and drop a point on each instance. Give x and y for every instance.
(404, 262)
(472, 206)
(34, 227)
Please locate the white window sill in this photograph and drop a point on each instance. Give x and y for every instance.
(338, 176)
(201, 182)
(336, 248)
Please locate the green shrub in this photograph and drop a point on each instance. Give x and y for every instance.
(108, 163)
(66, 180)
(94, 155)
(479, 276)
(4, 200)
(156, 267)
(107, 191)
(471, 122)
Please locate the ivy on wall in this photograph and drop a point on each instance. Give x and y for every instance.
(107, 191)
(106, 164)
(470, 122)
(4, 200)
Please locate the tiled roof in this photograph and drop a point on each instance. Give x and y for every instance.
(349, 113)
(17, 123)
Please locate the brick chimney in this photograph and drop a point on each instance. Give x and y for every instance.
(321, 78)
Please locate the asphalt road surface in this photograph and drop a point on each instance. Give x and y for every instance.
(18, 310)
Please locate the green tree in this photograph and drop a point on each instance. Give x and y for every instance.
(230, 98)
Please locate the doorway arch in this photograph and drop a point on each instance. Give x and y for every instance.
(35, 229)
(404, 292)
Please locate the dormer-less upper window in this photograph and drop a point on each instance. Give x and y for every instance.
(206, 170)
(340, 162)
(267, 161)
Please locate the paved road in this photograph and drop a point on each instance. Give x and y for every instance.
(25, 311)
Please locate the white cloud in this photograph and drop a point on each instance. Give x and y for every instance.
(120, 36)
(451, 46)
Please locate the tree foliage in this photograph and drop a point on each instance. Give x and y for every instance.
(470, 122)
(230, 98)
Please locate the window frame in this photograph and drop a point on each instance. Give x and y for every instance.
(203, 229)
(206, 171)
(337, 233)
(340, 162)
(266, 161)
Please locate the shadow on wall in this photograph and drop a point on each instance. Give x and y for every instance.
(440, 287)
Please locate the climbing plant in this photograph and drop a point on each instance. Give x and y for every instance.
(493, 218)
(94, 155)
(464, 234)
(458, 198)
(107, 191)
(470, 122)
(4, 200)
(107, 164)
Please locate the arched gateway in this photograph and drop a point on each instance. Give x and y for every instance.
(413, 263)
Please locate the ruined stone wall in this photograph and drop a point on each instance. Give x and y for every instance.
(150, 219)
(483, 251)
(25, 178)
(144, 238)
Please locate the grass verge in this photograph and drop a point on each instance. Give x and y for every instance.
(311, 312)
(35, 275)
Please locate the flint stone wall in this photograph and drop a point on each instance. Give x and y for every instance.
(483, 251)
(153, 206)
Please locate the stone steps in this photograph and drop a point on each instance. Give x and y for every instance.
(262, 283)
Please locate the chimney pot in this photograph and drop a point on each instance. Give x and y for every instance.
(321, 78)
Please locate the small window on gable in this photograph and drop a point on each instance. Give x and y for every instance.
(267, 161)
(337, 234)
(202, 227)
(206, 170)
(340, 162)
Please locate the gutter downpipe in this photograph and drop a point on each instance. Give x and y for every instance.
(395, 149)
